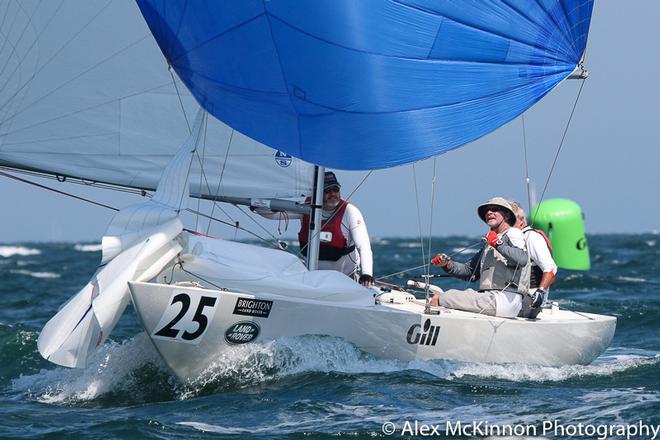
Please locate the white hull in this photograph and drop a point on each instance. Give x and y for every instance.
(193, 341)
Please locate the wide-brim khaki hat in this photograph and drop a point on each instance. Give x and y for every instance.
(497, 201)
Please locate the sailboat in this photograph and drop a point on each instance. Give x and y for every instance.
(278, 86)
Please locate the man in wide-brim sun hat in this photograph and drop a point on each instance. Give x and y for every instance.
(501, 266)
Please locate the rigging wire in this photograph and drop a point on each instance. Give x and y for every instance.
(79, 181)
(229, 224)
(193, 152)
(201, 174)
(427, 261)
(222, 174)
(178, 94)
(200, 159)
(527, 179)
(275, 240)
(28, 182)
(419, 215)
(561, 144)
(460, 251)
(57, 191)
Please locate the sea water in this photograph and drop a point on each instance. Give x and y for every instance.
(322, 387)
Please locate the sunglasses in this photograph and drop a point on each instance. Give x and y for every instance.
(331, 190)
(495, 208)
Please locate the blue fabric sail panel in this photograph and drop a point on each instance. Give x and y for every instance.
(374, 83)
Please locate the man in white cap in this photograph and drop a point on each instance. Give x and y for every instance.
(345, 244)
(502, 267)
(543, 269)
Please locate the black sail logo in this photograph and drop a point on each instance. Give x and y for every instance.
(427, 335)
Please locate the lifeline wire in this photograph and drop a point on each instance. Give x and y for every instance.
(460, 251)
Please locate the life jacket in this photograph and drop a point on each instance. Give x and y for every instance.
(337, 246)
(496, 274)
(536, 273)
(542, 233)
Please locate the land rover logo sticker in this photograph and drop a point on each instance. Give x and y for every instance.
(427, 335)
(242, 332)
(253, 307)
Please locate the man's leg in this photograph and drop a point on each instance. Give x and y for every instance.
(468, 300)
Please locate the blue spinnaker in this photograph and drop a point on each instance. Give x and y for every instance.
(371, 83)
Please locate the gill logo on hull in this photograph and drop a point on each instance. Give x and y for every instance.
(427, 335)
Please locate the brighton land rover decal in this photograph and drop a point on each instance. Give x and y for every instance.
(253, 307)
(427, 335)
(242, 332)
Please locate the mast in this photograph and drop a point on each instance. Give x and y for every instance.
(315, 219)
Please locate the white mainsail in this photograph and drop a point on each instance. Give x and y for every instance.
(85, 92)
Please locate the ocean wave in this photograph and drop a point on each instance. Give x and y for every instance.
(10, 251)
(88, 247)
(36, 274)
(245, 365)
(610, 363)
(463, 250)
(632, 279)
(330, 417)
(409, 244)
(251, 364)
(109, 371)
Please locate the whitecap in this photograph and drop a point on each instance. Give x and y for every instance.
(108, 370)
(651, 243)
(410, 244)
(250, 364)
(631, 279)
(333, 417)
(463, 250)
(10, 251)
(36, 274)
(613, 361)
(88, 247)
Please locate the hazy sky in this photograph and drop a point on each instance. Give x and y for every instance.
(609, 162)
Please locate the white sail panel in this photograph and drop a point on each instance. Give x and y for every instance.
(85, 92)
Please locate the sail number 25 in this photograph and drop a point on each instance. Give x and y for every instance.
(186, 318)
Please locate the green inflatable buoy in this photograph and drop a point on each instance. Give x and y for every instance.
(563, 222)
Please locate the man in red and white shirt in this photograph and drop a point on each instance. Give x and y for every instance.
(345, 244)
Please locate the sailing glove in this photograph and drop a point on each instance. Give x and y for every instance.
(492, 239)
(442, 260)
(366, 280)
(538, 297)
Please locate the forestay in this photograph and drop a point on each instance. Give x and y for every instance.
(369, 84)
(85, 92)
